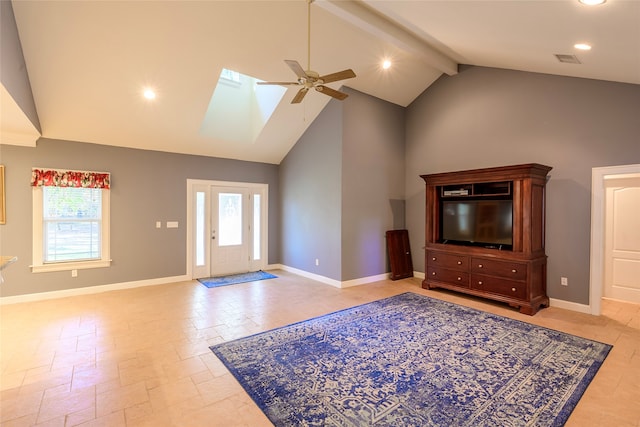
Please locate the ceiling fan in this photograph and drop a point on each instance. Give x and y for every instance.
(310, 79)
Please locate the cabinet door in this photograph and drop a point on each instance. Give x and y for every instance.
(399, 254)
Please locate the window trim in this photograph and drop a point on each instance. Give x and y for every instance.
(39, 266)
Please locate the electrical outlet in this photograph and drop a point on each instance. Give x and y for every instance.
(317, 261)
(564, 281)
(74, 273)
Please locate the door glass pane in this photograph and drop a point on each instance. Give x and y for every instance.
(230, 219)
(200, 229)
(256, 226)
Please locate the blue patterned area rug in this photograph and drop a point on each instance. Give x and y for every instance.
(411, 360)
(214, 282)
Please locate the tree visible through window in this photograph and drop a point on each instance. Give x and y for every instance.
(72, 223)
(70, 220)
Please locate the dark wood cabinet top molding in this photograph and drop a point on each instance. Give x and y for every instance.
(501, 173)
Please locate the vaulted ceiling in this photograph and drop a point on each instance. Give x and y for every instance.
(88, 61)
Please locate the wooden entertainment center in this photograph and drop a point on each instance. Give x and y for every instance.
(512, 270)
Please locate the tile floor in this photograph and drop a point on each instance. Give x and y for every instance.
(140, 357)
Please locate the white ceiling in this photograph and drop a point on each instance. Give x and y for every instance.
(89, 60)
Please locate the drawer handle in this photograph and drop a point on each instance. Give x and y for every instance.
(459, 262)
(513, 289)
(514, 271)
(479, 265)
(433, 259)
(433, 274)
(459, 279)
(480, 282)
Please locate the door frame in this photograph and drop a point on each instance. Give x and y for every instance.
(261, 188)
(596, 277)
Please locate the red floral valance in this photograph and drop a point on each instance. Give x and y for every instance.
(58, 178)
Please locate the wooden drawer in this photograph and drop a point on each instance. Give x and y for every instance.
(507, 269)
(457, 278)
(450, 261)
(497, 285)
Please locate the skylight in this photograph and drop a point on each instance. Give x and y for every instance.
(239, 108)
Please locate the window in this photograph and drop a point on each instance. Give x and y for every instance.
(230, 75)
(257, 246)
(230, 219)
(71, 224)
(70, 220)
(200, 228)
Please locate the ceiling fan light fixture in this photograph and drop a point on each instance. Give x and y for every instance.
(308, 79)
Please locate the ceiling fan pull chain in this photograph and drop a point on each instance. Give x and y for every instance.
(309, 34)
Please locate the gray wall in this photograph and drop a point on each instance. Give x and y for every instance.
(342, 187)
(147, 186)
(13, 70)
(486, 117)
(372, 182)
(310, 188)
(338, 189)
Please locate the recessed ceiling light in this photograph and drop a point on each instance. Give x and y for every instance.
(149, 93)
(386, 64)
(592, 2)
(582, 46)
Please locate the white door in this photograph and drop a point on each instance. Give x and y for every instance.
(622, 238)
(229, 230)
(215, 244)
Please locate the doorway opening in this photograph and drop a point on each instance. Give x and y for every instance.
(599, 178)
(227, 228)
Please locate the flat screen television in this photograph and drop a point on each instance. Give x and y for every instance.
(487, 223)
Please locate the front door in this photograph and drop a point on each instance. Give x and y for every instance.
(229, 230)
(622, 238)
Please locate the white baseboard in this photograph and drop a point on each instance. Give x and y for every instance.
(364, 280)
(313, 276)
(553, 302)
(91, 290)
(329, 281)
(164, 280)
(568, 305)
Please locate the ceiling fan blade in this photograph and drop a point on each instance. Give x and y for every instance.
(340, 75)
(296, 67)
(300, 95)
(331, 92)
(278, 83)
